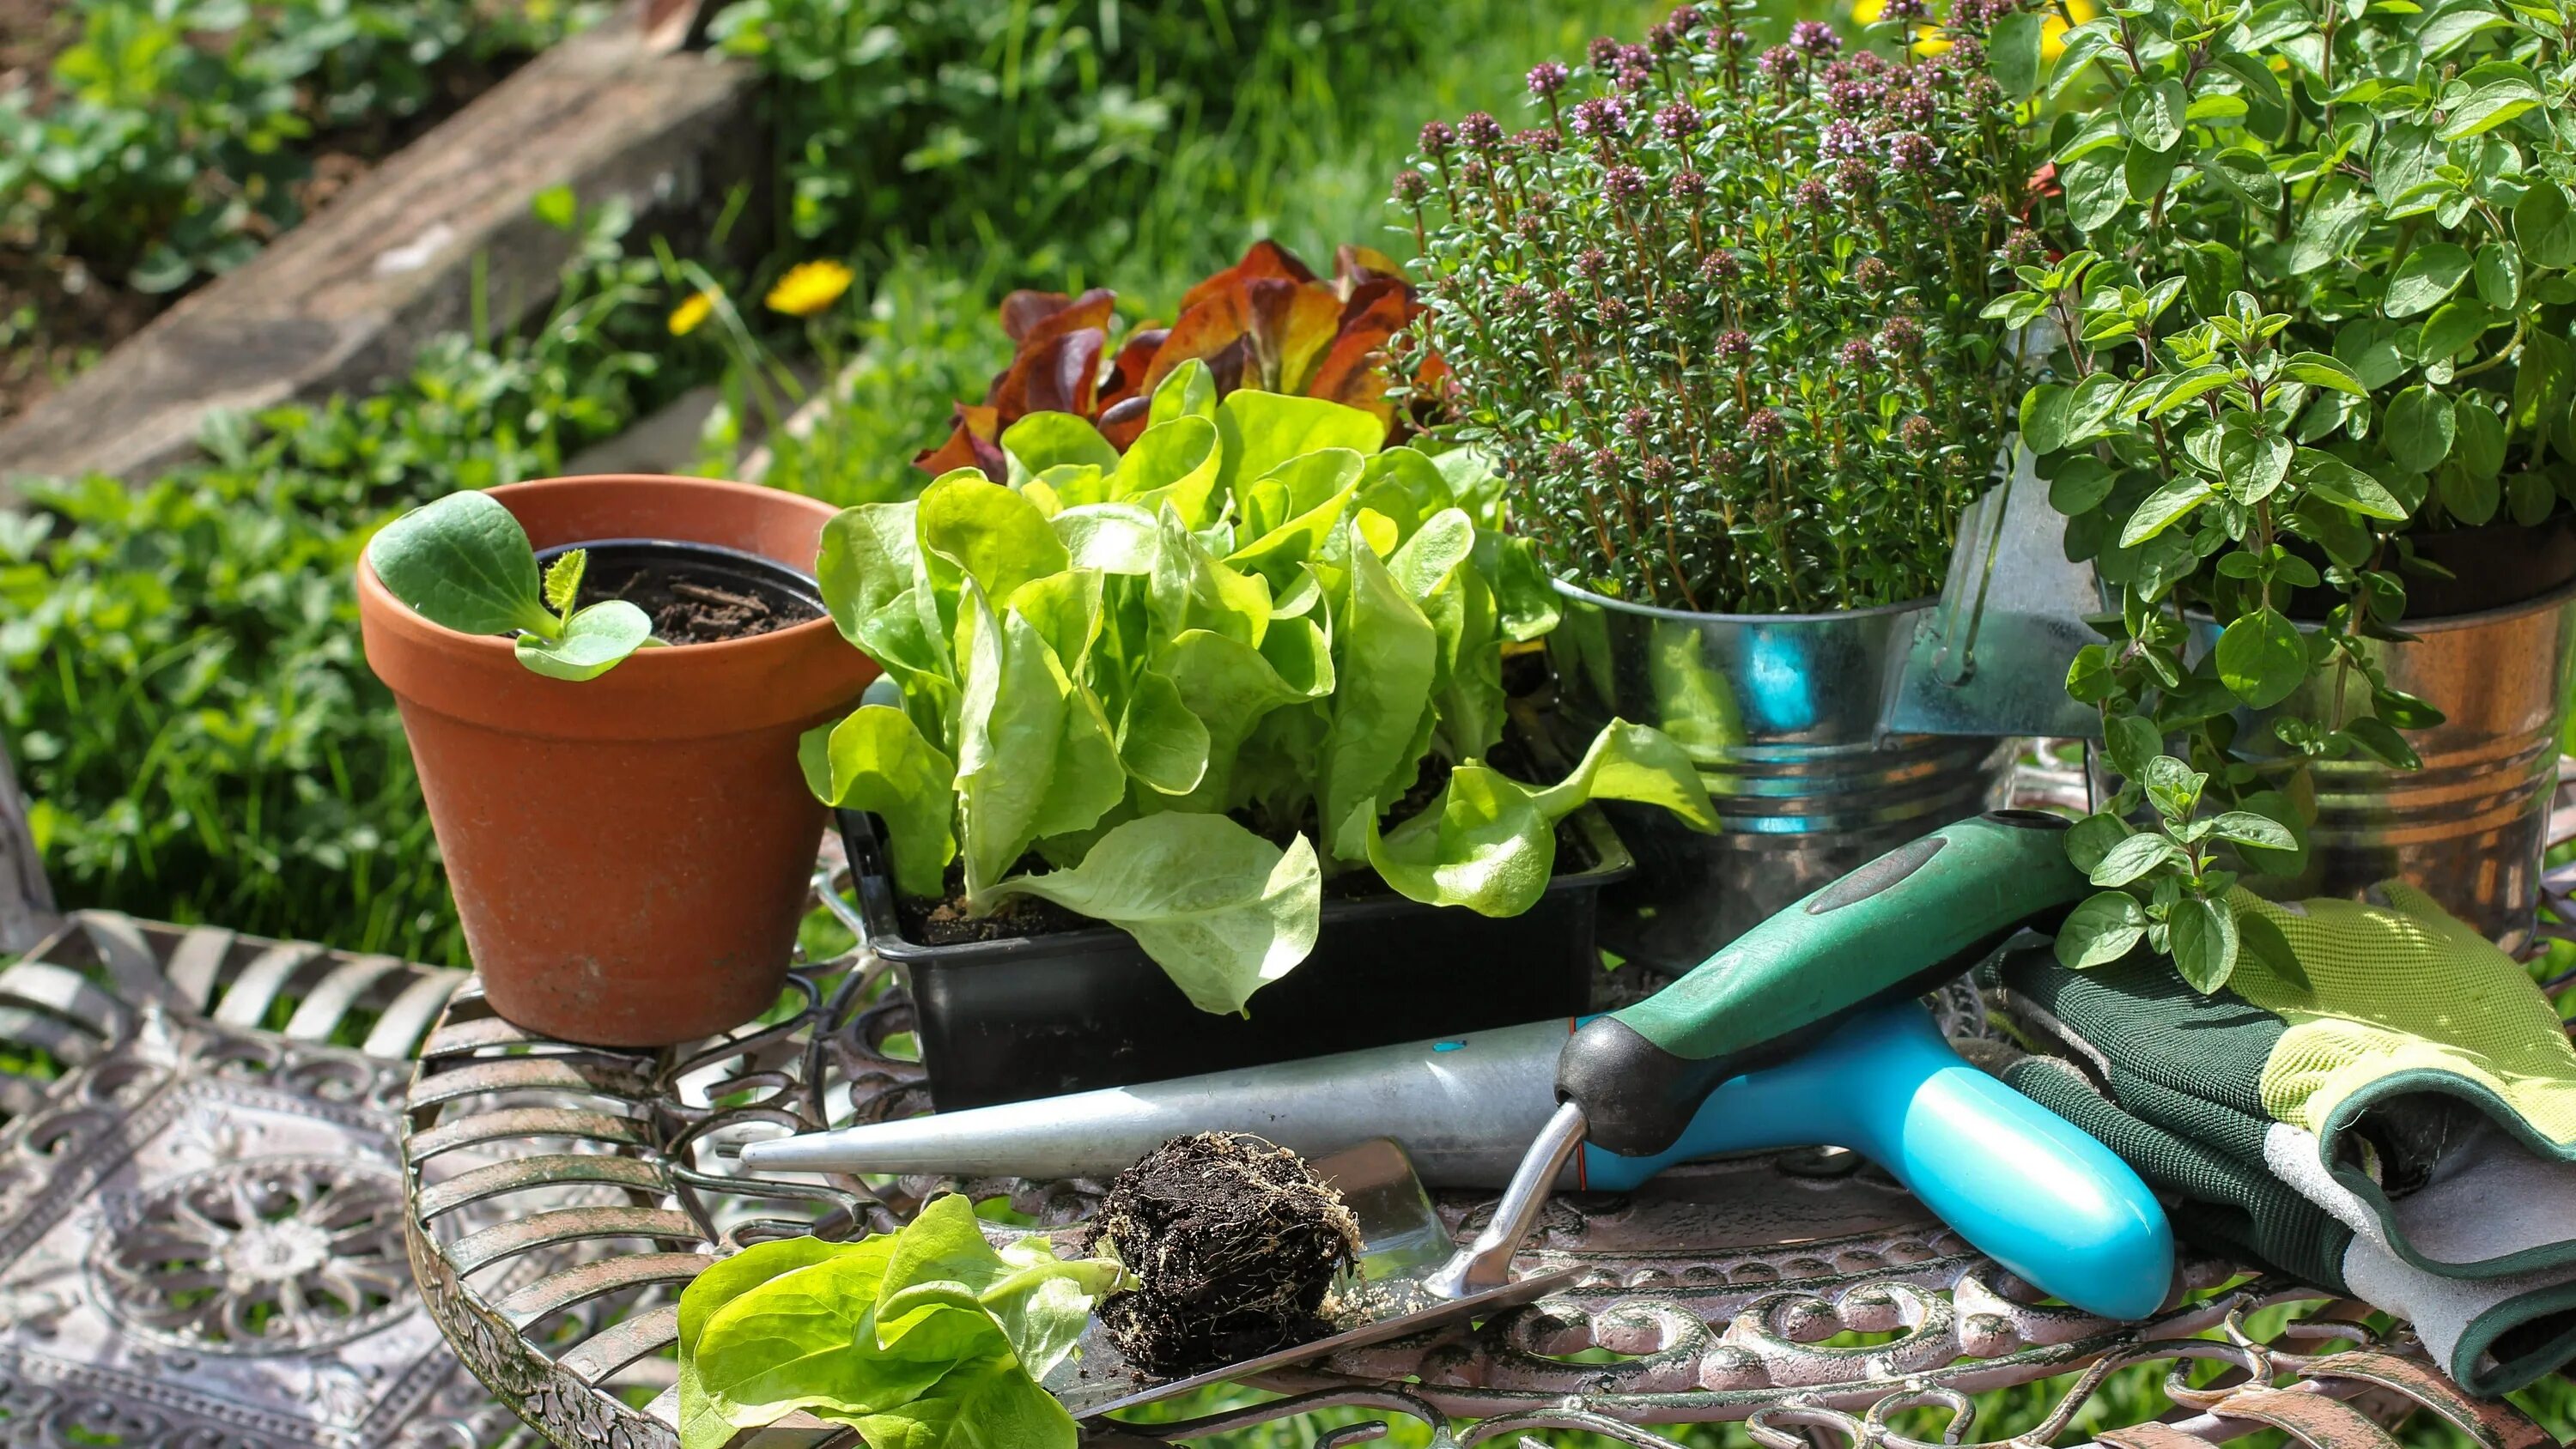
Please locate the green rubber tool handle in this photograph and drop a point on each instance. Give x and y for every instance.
(1898, 926)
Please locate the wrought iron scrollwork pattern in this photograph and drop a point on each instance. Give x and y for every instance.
(608, 1179)
(200, 1217)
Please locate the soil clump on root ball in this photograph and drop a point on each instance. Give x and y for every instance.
(1234, 1244)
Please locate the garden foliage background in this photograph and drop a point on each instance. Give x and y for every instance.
(180, 677)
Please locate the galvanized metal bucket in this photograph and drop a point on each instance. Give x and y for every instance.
(2468, 828)
(1781, 713)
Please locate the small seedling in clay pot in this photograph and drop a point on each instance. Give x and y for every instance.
(1234, 1245)
(464, 563)
(603, 680)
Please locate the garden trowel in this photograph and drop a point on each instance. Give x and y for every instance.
(1634, 1083)
(1990, 657)
(1402, 1242)
(1801, 1032)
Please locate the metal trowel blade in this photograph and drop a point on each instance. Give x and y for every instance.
(1402, 1242)
(1990, 657)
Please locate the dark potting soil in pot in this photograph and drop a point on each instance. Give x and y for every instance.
(946, 921)
(698, 606)
(1234, 1244)
(2492, 566)
(694, 593)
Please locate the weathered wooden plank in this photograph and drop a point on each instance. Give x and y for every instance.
(26, 901)
(346, 298)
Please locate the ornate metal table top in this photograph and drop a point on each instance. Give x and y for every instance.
(560, 1197)
(200, 1219)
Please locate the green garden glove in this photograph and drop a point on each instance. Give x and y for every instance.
(2380, 1103)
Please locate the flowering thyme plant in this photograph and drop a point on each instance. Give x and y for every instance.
(1717, 314)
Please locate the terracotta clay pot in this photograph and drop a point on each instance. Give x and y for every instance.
(629, 854)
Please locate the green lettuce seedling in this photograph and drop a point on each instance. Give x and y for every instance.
(464, 563)
(1199, 677)
(923, 1338)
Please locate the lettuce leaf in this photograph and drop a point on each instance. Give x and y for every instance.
(1160, 648)
(1221, 910)
(876, 760)
(1488, 843)
(1388, 661)
(930, 1338)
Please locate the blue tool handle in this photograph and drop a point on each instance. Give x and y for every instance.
(2026, 1187)
(1893, 929)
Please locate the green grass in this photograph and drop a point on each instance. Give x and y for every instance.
(1315, 187)
(1304, 157)
(925, 339)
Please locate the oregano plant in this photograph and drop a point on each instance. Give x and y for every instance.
(464, 563)
(2165, 885)
(2308, 272)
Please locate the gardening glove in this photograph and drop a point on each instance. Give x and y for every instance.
(2379, 1103)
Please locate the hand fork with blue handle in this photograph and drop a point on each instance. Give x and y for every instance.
(1802, 1032)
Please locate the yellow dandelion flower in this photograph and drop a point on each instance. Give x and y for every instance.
(1928, 40)
(686, 317)
(808, 288)
(2052, 30)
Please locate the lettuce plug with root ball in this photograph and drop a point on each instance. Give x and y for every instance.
(1195, 678)
(464, 563)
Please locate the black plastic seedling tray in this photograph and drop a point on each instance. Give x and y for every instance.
(1035, 1016)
